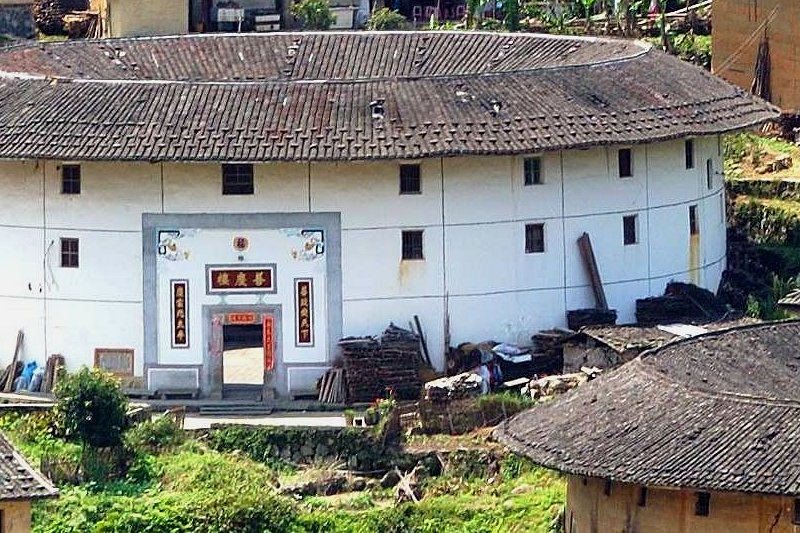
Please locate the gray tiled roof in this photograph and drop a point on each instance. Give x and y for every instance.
(791, 300)
(306, 96)
(716, 412)
(18, 479)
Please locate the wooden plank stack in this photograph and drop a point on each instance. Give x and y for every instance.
(52, 371)
(375, 365)
(332, 387)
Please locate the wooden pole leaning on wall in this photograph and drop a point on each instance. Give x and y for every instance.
(590, 263)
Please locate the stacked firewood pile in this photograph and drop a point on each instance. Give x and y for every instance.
(49, 14)
(578, 318)
(376, 366)
(681, 303)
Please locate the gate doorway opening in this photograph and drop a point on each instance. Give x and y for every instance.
(243, 370)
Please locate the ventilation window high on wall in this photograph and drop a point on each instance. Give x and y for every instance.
(69, 253)
(70, 179)
(796, 512)
(412, 245)
(237, 179)
(702, 504)
(629, 230)
(694, 224)
(710, 173)
(410, 179)
(534, 238)
(625, 162)
(533, 170)
(688, 147)
(642, 502)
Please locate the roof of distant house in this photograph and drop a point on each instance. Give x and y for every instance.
(717, 412)
(352, 96)
(791, 300)
(18, 479)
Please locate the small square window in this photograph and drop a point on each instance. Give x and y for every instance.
(710, 173)
(702, 505)
(410, 179)
(70, 179)
(694, 225)
(237, 179)
(533, 171)
(534, 238)
(412, 245)
(796, 512)
(642, 497)
(629, 229)
(625, 161)
(69, 253)
(689, 149)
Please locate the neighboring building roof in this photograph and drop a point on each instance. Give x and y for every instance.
(18, 479)
(307, 96)
(716, 412)
(791, 300)
(631, 337)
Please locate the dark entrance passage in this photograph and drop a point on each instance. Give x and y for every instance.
(242, 361)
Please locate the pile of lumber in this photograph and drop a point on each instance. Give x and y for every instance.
(578, 318)
(376, 366)
(332, 386)
(13, 370)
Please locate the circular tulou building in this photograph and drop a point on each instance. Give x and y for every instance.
(169, 200)
(698, 435)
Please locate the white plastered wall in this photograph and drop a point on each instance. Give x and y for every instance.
(489, 287)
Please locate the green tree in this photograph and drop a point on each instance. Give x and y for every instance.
(313, 14)
(386, 19)
(90, 409)
(512, 15)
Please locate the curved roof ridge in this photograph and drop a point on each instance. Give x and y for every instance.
(654, 374)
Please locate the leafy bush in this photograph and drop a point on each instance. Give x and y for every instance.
(155, 435)
(90, 409)
(313, 14)
(387, 19)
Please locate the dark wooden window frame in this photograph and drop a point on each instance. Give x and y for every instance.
(70, 179)
(629, 230)
(688, 148)
(534, 238)
(625, 162)
(710, 173)
(413, 242)
(70, 252)
(796, 512)
(702, 504)
(694, 223)
(532, 170)
(642, 502)
(410, 179)
(237, 179)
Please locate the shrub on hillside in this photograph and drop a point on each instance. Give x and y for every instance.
(313, 14)
(387, 19)
(90, 409)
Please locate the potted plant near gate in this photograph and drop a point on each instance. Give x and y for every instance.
(349, 415)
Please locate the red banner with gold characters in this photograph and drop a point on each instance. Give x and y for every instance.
(304, 309)
(269, 342)
(179, 298)
(241, 279)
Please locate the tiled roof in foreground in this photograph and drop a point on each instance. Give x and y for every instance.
(716, 412)
(18, 479)
(308, 96)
